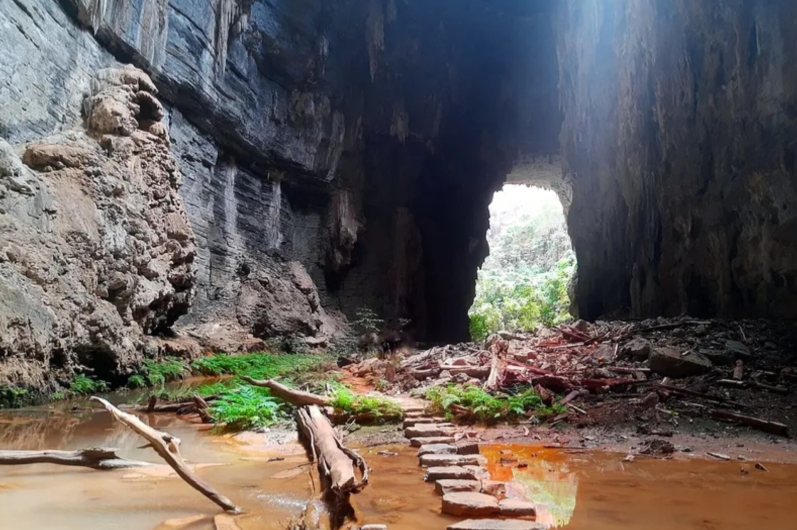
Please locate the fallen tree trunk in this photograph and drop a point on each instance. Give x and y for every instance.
(336, 464)
(104, 458)
(295, 397)
(771, 427)
(168, 448)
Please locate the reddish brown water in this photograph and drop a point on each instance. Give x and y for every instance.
(588, 491)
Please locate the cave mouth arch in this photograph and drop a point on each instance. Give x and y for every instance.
(524, 280)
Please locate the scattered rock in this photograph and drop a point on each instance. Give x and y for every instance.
(445, 486)
(760, 466)
(496, 524)
(516, 508)
(470, 504)
(449, 472)
(719, 456)
(670, 362)
(737, 350)
(494, 488)
(658, 447)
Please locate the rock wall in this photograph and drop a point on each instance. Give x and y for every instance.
(362, 140)
(96, 253)
(678, 137)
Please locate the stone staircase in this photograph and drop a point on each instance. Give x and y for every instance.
(460, 477)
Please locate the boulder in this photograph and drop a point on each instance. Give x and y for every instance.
(637, 349)
(670, 362)
(469, 504)
(517, 508)
(444, 486)
(495, 524)
(449, 472)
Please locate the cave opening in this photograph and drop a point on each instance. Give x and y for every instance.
(524, 281)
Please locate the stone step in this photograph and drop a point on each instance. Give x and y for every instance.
(425, 430)
(437, 449)
(413, 413)
(516, 508)
(470, 504)
(451, 460)
(495, 524)
(441, 487)
(410, 422)
(479, 472)
(449, 472)
(428, 440)
(468, 448)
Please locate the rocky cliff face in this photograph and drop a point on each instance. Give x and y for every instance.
(96, 252)
(343, 154)
(679, 138)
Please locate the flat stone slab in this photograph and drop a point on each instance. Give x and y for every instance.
(449, 472)
(437, 449)
(418, 442)
(469, 504)
(419, 420)
(516, 507)
(425, 430)
(495, 524)
(451, 460)
(441, 487)
(469, 448)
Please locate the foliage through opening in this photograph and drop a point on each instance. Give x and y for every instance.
(523, 282)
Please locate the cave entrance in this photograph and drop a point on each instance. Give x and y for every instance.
(523, 282)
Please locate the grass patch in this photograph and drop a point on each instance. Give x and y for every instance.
(380, 408)
(259, 365)
(83, 385)
(486, 407)
(246, 407)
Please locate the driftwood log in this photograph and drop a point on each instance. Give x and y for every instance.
(337, 465)
(292, 396)
(104, 458)
(168, 448)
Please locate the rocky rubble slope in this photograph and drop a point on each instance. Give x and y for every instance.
(96, 253)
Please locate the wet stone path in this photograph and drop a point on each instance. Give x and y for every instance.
(460, 478)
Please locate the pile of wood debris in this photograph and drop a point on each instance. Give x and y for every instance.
(710, 368)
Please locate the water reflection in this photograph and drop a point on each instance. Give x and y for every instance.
(543, 477)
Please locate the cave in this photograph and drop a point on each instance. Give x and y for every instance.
(335, 156)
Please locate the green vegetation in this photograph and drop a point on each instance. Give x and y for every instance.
(246, 407)
(523, 282)
(380, 408)
(13, 397)
(158, 373)
(485, 407)
(83, 385)
(259, 365)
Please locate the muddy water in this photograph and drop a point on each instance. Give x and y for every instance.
(592, 491)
